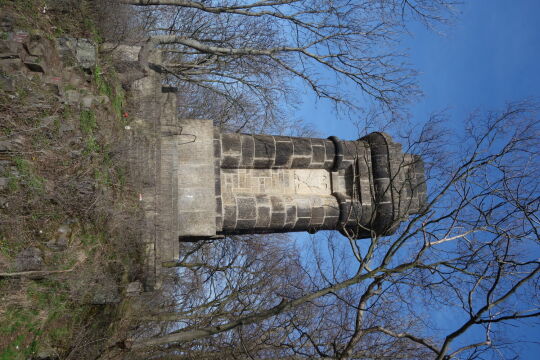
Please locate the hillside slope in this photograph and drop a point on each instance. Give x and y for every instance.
(68, 215)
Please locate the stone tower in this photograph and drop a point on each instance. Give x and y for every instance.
(196, 182)
(232, 183)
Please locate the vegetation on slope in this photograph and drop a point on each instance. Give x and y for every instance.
(67, 248)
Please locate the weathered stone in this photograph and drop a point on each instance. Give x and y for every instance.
(29, 259)
(6, 83)
(202, 183)
(61, 239)
(301, 162)
(262, 163)
(79, 51)
(10, 49)
(284, 152)
(230, 162)
(263, 217)
(245, 224)
(63, 6)
(231, 144)
(46, 352)
(85, 53)
(246, 208)
(302, 147)
(6, 23)
(318, 155)
(317, 215)
(52, 88)
(217, 148)
(302, 224)
(3, 183)
(8, 66)
(229, 217)
(277, 221)
(71, 97)
(331, 211)
(19, 36)
(248, 151)
(264, 147)
(12, 144)
(66, 127)
(291, 214)
(34, 64)
(303, 208)
(88, 100)
(330, 222)
(219, 204)
(277, 204)
(134, 288)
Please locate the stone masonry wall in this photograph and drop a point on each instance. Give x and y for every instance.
(268, 183)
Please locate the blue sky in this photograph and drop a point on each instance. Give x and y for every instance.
(488, 57)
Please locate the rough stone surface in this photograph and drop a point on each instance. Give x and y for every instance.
(314, 184)
(134, 288)
(29, 259)
(71, 97)
(80, 51)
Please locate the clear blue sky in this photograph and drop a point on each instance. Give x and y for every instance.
(488, 57)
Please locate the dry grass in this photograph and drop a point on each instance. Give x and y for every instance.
(65, 170)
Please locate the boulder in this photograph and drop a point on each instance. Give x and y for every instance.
(71, 97)
(9, 49)
(29, 259)
(80, 51)
(6, 23)
(11, 65)
(134, 288)
(6, 83)
(3, 183)
(34, 63)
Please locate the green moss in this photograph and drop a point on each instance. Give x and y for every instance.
(23, 329)
(20, 327)
(91, 145)
(27, 176)
(88, 122)
(112, 89)
(103, 87)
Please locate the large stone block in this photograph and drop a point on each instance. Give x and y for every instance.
(197, 224)
(318, 156)
(284, 152)
(196, 178)
(247, 209)
(230, 144)
(277, 204)
(277, 221)
(248, 151)
(301, 162)
(264, 146)
(302, 147)
(263, 217)
(291, 214)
